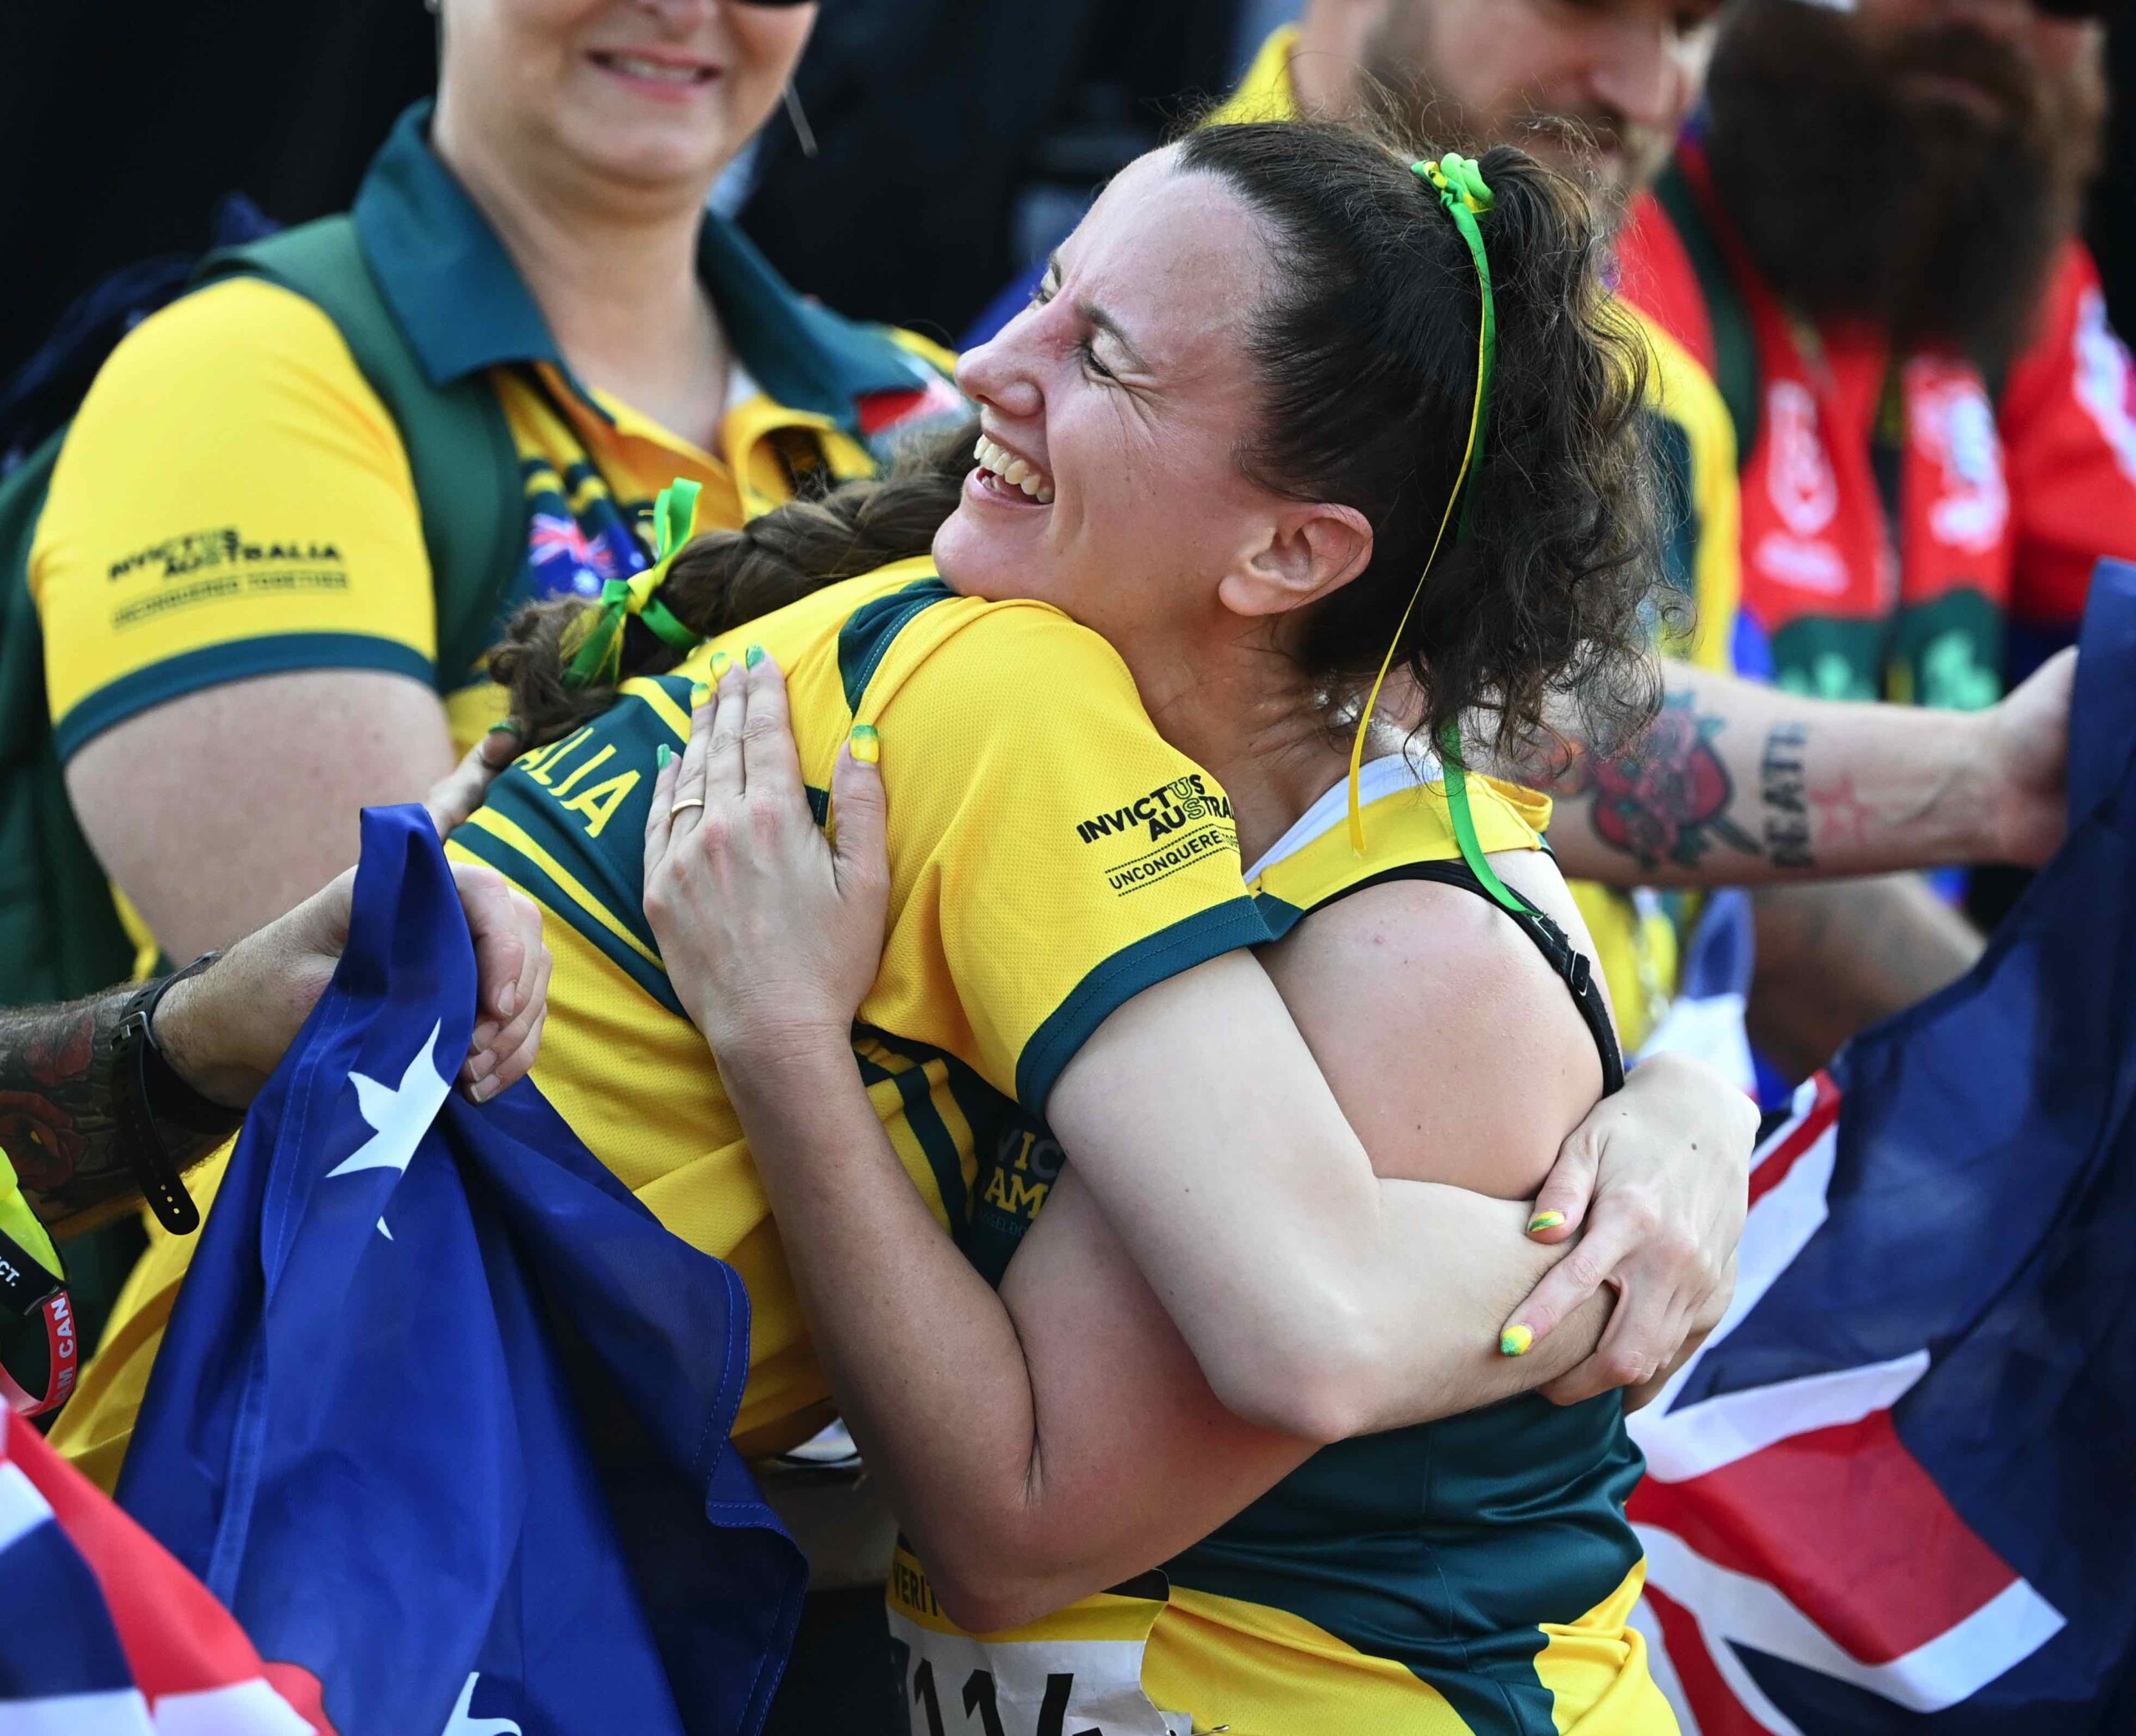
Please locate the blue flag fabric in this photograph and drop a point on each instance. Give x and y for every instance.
(1891, 1493)
(371, 1429)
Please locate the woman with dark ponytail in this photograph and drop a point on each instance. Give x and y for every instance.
(1250, 445)
(1261, 493)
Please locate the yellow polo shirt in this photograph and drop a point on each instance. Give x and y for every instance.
(234, 500)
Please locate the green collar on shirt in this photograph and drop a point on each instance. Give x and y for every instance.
(459, 299)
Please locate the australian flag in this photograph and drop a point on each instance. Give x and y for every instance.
(1891, 1493)
(442, 1417)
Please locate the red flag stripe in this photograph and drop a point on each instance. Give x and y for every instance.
(1785, 1147)
(1713, 1703)
(1846, 1525)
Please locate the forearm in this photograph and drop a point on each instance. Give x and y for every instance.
(998, 1421)
(1741, 783)
(61, 1130)
(1134, 1457)
(922, 1357)
(1295, 1277)
(1834, 960)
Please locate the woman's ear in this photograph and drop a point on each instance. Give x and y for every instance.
(1312, 549)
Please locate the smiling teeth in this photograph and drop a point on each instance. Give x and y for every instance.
(638, 68)
(1015, 472)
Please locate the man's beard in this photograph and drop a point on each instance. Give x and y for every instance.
(1864, 198)
(1611, 157)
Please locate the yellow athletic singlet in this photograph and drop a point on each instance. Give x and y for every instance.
(1468, 1578)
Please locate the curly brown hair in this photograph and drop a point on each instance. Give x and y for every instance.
(1366, 355)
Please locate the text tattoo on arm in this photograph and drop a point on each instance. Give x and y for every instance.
(1784, 793)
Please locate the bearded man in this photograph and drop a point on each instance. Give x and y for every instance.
(1869, 237)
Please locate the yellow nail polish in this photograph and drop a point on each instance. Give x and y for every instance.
(1545, 1220)
(721, 663)
(699, 694)
(1514, 1340)
(866, 744)
(753, 657)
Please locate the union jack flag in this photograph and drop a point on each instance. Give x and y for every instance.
(1890, 1493)
(102, 1633)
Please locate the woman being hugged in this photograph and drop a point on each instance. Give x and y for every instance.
(1067, 963)
(1257, 492)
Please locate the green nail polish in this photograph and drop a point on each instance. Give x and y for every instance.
(1545, 1220)
(699, 694)
(1514, 1341)
(753, 657)
(866, 744)
(505, 728)
(721, 663)
(664, 756)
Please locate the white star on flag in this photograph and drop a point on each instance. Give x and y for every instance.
(462, 1723)
(397, 1116)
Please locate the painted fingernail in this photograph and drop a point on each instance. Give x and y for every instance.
(664, 756)
(721, 663)
(753, 657)
(1514, 1340)
(505, 728)
(700, 696)
(866, 744)
(1545, 1220)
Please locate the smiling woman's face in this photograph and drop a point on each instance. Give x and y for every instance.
(1118, 399)
(640, 94)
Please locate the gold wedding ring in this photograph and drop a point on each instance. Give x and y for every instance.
(685, 804)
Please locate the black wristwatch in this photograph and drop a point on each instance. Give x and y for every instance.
(147, 1094)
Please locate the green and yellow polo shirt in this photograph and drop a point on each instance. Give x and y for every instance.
(234, 500)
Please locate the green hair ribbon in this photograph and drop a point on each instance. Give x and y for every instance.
(1466, 196)
(597, 657)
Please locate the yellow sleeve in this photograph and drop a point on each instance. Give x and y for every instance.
(232, 500)
(1052, 857)
(1703, 492)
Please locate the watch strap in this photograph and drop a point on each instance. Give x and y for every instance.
(147, 1091)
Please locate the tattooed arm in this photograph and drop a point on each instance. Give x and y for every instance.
(223, 1031)
(1737, 783)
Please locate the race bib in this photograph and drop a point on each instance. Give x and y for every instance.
(1078, 1673)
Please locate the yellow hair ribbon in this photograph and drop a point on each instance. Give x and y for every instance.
(1466, 197)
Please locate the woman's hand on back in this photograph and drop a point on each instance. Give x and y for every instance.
(772, 933)
(1655, 1184)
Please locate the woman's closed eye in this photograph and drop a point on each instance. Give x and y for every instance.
(1049, 286)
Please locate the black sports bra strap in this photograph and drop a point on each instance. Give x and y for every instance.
(1556, 947)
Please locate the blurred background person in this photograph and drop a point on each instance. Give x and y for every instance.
(260, 608)
(1870, 237)
(232, 551)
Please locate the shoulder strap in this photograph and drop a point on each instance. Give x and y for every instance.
(1735, 345)
(1567, 960)
(461, 452)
